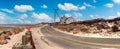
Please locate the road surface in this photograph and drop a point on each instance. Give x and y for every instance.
(67, 41)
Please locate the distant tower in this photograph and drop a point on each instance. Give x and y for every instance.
(55, 14)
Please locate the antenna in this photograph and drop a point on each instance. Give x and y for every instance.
(55, 14)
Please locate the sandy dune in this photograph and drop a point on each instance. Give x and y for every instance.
(14, 40)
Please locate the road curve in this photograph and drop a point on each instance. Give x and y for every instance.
(74, 42)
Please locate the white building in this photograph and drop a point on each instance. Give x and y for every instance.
(66, 20)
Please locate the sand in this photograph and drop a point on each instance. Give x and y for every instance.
(17, 38)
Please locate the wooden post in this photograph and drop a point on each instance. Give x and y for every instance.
(17, 46)
(27, 36)
(27, 46)
(23, 40)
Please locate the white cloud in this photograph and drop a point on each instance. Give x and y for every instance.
(82, 7)
(68, 7)
(23, 19)
(20, 21)
(23, 16)
(3, 18)
(94, 16)
(118, 13)
(7, 10)
(57, 19)
(112, 17)
(88, 5)
(109, 5)
(77, 16)
(68, 15)
(116, 1)
(41, 17)
(94, 1)
(44, 6)
(23, 8)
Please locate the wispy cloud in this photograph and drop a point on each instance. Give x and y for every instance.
(3, 18)
(41, 17)
(109, 5)
(94, 1)
(23, 16)
(88, 5)
(82, 7)
(44, 6)
(7, 10)
(68, 15)
(77, 15)
(94, 16)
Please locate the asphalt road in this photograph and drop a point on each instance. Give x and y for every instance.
(74, 42)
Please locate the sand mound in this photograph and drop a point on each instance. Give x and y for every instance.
(7, 33)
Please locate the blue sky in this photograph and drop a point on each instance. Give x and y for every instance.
(37, 11)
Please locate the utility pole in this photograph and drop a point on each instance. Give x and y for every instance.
(55, 14)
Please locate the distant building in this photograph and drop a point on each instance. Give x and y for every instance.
(66, 20)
